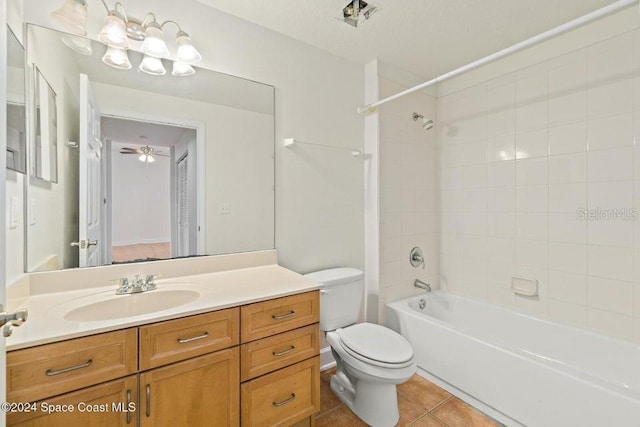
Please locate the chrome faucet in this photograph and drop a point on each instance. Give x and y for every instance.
(137, 285)
(421, 285)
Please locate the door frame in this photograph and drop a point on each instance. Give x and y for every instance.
(3, 189)
(200, 128)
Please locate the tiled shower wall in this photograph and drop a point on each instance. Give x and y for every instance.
(408, 194)
(522, 158)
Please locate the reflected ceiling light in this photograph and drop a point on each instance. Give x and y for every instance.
(78, 44)
(152, 65)
(114, 32)
(182, 69)
(117, 58)
(118, 28)
(146, 158)
(71, 16)
(187, 52)
(154, 44)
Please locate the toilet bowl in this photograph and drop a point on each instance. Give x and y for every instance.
(371, 359)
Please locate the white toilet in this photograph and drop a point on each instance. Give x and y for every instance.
(371, 359)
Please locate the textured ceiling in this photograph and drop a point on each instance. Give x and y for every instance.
(425, 37)
(129, 132)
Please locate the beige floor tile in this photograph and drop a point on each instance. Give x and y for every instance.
(456, 413)
(341, 416)
(328, 400)
(423, 392)
(409, 411)
(427, 421)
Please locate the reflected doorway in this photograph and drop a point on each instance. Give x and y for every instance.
(151, 192)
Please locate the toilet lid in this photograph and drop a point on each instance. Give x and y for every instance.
(376, 342)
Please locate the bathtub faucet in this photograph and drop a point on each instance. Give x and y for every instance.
(420, 284)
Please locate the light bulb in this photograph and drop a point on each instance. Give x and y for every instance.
(114, 32)
(150, 159)
(143, 158)
(154, 44)
(152, 65)
(187, 52)
(117, 58)
(71, 16)
(182, 69)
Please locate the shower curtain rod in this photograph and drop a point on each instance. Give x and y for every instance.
(613, 7)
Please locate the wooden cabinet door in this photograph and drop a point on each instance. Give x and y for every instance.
(203, 391)
(106, 405)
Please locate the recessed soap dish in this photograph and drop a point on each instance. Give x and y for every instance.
(524, 286)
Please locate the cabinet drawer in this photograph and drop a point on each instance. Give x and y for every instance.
(112, 404)
(272, 317)
(268, 354)
(51, 369)
(283, 397)
(175, 340)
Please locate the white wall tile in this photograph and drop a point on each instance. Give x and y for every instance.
(532, 87)
(567, 228)
(531, 226)
(501, 249)
(609, 262)
(568, 168)
(610, 98)
(531, 116)
(611, 232)
(567, 198)
(610, 59)
(568, 108)
(568, 73)
(502, 174)
(532, 253)
(615, 164)
(501, 225)
(568, 257)
(606, 322)
(501, 199)
(475, 176)
(570, 138)
(532, 144)
(571, 314)
(612, 131)
(568, 287)
(611, 195)
(532, 171)
(532, 198)
(501, 148)
(610, 295)
(475, 152)
(501, 122)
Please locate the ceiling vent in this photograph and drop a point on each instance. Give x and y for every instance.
(357, 11)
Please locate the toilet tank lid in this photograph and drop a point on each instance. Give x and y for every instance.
(336, 276)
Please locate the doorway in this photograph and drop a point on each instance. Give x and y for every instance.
(151, 201)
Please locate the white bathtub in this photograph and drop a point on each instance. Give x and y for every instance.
(520, 369)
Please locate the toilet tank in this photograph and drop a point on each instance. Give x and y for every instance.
(340, 296)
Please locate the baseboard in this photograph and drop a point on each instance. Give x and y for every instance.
(326, 359)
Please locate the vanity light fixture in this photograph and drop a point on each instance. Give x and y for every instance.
(117, 58)
(152, 65)
(78, 44)
(117, 31)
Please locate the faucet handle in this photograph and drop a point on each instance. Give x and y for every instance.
(151, 278)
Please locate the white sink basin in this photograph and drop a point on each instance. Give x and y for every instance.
(121, 306)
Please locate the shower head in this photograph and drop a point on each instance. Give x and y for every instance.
(426, 123)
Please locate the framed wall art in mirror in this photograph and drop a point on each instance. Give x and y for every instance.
(44, 151)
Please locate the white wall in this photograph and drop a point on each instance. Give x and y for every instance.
(319, 193)
(408, 194)
(141, 205)
(521, 150)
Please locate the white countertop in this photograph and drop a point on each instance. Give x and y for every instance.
(47, 323)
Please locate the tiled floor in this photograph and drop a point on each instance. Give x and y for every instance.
(421, 404)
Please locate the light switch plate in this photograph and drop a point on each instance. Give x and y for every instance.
(13, 212)
(32, 212)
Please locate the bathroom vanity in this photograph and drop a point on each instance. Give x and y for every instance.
(245, 352)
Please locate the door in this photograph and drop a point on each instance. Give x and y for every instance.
(3, 189)
(203, 391)
(91, 221)
(182, 169)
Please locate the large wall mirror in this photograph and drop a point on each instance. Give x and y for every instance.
(16, 132)
(142, 167)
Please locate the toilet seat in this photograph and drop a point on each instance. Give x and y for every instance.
(376, 345)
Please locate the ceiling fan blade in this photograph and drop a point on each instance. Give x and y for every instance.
(131, 150)
(128, 152)
(161, 155)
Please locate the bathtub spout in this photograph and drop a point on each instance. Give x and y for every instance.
(420, 284)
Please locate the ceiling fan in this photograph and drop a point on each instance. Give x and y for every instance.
(146, 153)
